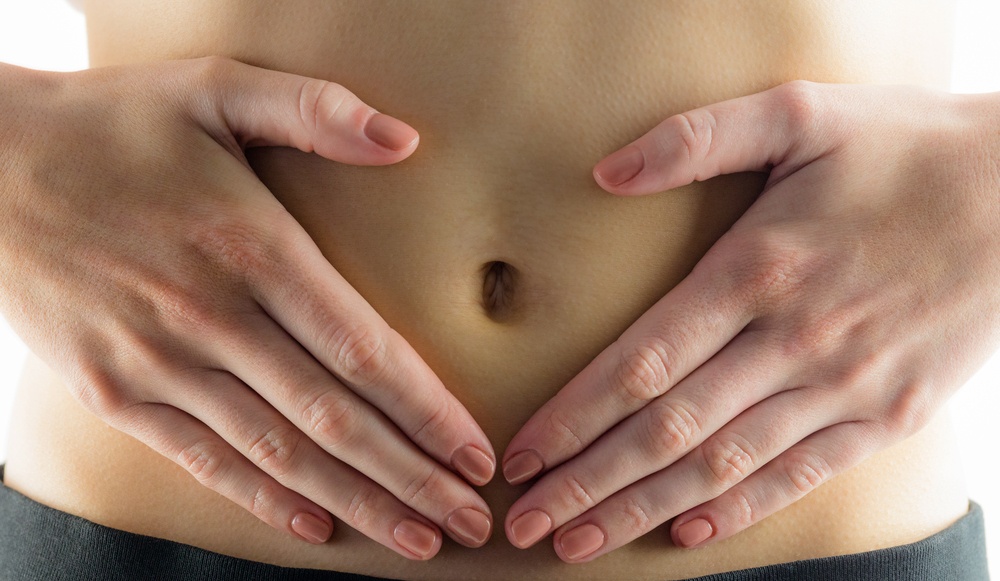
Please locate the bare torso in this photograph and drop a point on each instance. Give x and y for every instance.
(515, 102)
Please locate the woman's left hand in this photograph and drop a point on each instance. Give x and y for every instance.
(831, 321)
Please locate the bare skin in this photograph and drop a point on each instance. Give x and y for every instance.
(502, 175)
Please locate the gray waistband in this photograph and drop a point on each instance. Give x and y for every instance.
(38, 542)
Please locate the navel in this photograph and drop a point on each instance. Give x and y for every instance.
(499, 282)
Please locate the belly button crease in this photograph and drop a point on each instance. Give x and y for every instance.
(499, 279)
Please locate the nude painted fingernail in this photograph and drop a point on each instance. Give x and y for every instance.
(581, 541)
(522, 466)
(389, 132)
(415, 537)
(621, 166)
(694, 532)
(470, 525)
(529, 527)
(474, 464)
(311, 528)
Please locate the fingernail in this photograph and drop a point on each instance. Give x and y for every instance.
(621, 166)
(311, 528)
(522, 466)
(470, 525)
(474, 464)
(390, 132)
(415, 537)
(694, 532)
(581, 541)
(529, 527)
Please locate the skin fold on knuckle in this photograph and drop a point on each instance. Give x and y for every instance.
(331, 419)
(423, 487)
(635, 517)
(561, 428)
(360, 354)
(805, 470)
(671, 430)
(205, 460)
(362, 508)
(579, 494)
(696, 130)
(321, 101)
(265, 503)
(276, 451)
(727, 461)
(435, 424)
(643, 373)
(743, 511)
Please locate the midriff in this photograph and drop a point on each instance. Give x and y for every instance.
(515, 102)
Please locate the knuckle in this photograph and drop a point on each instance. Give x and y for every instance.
(264, 502)
(320, 100)
(911, 409)
(562, 426)
(580, 493)
(855, 373)
(332, 419)
(205, 460)
(806, 470)
(643, 373)
(728, 461)
(768, 265)
(636, 516)
(238, 245)
(800, 100)
(435, 423)
(744, 509)
(696, 129)
(360, 354)
(422, 487)
(362, 510)
(275, 451)
(672, 428)
(213, 69)
(100, 391)
(191, 307)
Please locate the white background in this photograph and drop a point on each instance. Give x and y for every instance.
(48, 34)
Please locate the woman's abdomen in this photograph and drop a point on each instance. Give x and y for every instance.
(492, 250)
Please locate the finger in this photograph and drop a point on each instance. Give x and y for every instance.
(777, 128)
(326, 413)
(753, 439)
(219, 467)
(251, 437)
(262, 107)
(677, 335)
(780, 483)
(651, 439)
(315, 305)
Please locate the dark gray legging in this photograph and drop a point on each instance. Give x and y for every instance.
(40, 543)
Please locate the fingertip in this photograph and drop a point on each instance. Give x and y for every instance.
(474, 464)
(522, 466)
(620, 167)
(692, 533)
(390, 133)
(312, 528)
(418, 541)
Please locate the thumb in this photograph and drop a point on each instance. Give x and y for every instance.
(261, 107)
(782, 128)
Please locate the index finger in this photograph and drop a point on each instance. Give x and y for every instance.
(309, 299)
(782, 128)
(673, 338)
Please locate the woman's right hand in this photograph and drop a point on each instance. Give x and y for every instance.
(142, 259)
